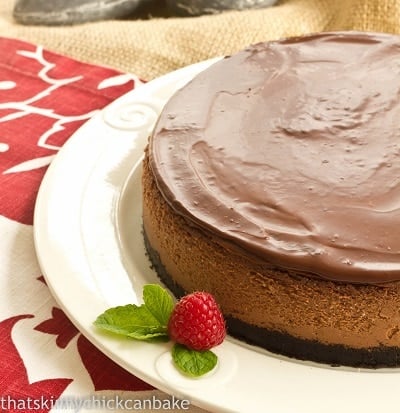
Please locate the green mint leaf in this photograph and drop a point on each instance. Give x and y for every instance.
(159, 302)
(191, 362)
(131, 321)
(144, 333)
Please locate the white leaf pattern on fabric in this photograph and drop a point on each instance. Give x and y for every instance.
(119, 80)
(4, 147)
(7, 84)
(30, 165)
(17, 110)
(47, 66)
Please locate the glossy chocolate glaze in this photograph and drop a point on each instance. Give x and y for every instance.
(290, 150)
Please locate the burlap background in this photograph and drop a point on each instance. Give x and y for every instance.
(152, 47)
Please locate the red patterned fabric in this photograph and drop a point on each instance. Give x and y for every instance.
(44, 98)
(14, 379)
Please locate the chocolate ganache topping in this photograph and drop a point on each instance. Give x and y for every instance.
(291, 150)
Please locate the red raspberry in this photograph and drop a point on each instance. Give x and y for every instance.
(197, 322)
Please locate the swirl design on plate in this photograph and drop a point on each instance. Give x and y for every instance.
(135, 116)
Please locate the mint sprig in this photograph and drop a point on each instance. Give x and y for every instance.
(149, 322)
(144, 322)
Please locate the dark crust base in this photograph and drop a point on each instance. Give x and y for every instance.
(286, 345)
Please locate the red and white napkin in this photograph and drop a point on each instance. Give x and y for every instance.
(44, 98)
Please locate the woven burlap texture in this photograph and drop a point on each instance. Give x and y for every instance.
(152, 47)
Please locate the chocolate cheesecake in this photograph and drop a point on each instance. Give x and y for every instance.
(272, 180)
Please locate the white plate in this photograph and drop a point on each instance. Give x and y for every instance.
(89, 244)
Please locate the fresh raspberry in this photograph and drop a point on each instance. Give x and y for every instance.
(197, 322)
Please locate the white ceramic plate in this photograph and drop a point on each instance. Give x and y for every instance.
(89, 244)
